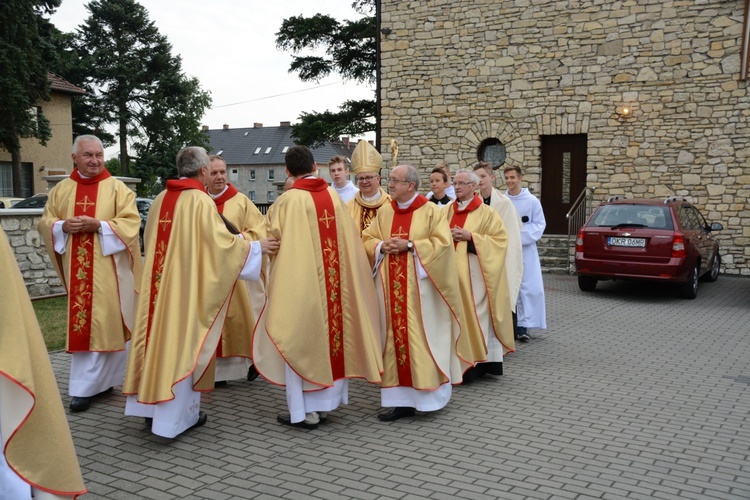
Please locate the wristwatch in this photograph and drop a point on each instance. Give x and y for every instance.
(409, 246)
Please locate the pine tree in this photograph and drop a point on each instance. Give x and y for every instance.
(350, 51)
(138, 83)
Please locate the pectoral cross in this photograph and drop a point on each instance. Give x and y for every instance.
(85, 203)
(327, 218)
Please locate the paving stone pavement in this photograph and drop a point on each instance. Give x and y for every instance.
(631, 393)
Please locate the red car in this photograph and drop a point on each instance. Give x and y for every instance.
(652, 240)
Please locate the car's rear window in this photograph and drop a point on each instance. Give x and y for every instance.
(650, 216)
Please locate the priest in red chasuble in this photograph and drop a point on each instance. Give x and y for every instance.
(233, 354)
(192, 264)
(480, 241)
(409, 244)
(36, 450)
(90, 228)
(366, 165)
(320, 325)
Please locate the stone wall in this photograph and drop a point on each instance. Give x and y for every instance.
(37, 269)
(454, 73)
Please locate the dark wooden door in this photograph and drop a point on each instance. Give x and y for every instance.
(563, 177)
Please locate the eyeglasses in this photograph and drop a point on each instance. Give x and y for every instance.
(393, 181)
(462, 184)
(366, 178)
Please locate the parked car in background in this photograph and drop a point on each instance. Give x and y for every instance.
(8, 201)
(651, 240)
(144, 205)
(36, 201)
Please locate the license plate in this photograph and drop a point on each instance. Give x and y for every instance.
(616, 241)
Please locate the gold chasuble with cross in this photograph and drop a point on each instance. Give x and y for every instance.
(321, 314)
(423, 313)
(102, 290)
(363, 211)
(192, 264)
(34, 431)
(247, 296)
(481, 275)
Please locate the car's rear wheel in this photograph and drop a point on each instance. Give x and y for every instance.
(587, 283)
(713, 273)
(690, 289)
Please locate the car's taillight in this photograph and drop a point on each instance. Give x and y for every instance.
(678, 247)
(579, 241)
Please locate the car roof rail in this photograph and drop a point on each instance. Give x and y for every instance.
(670, 199)
(615, 197)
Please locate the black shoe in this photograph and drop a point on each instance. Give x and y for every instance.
(106, 391)
(252, 373)
(285, 419)
(149, 421)
(396, 413)
(220, 383)
(80, 403)
(492, 367)
(524, 337)
(471, 375)
(202, 419)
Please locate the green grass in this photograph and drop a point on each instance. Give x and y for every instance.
(52, 315)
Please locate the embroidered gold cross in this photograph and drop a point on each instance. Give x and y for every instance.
(327, 218)
(165, 221)
(85, 203)
(401, 233)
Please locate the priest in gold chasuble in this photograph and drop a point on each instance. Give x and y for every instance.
(192, 264)
(320, 325)
(234, 350)
(90, 227)
(36, 450)
(409, 244)
(366, 165)
(480, 242)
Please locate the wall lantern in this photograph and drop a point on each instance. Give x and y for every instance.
(624, 111)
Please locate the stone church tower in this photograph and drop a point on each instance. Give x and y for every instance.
(641, 98)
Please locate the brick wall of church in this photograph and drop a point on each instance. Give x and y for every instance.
(457, 72)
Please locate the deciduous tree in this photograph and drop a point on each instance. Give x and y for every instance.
(25, 52)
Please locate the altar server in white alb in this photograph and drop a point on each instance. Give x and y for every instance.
(530, 308)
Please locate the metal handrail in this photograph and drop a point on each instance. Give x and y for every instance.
(576, 217)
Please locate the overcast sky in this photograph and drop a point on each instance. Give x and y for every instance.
(229, 45)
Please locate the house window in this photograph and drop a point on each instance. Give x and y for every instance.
(270, 174)
(257, 150)
(271, 196)
(268, 150)
(233, 175)
(286, 148)
(252, 195)
(252, 175)
(6, 178)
